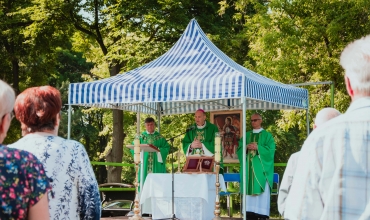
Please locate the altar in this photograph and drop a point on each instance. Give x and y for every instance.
(195, 195)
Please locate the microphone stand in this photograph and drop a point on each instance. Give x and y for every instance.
(173, 176)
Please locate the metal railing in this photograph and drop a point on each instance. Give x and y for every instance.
(132, 165)
(109, 189)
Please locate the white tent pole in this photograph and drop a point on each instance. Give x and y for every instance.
(307, 122)
(244, 155)
(159, 117)
(142, 152)
(138, 123)
(308, 114)
(69, 121)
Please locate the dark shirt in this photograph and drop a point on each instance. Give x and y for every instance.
(23, 182)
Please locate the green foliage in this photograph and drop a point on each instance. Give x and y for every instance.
(301, 41)
(27, 43)
(296, 42)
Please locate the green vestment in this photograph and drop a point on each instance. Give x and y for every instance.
(150, 161)
(260, 163)
(206, 135)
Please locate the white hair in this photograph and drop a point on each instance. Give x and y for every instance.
(7, 99)
(355, 60)
(325, 115)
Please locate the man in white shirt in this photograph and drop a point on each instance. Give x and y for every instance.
(332, 180)
(322, 116)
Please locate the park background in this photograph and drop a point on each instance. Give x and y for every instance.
(58, 42)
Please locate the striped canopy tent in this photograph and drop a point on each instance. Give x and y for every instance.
(193, 74)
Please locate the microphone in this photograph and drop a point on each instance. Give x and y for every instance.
(190, 128)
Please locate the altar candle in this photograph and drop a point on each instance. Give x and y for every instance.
(217, 147)
(217, 156)
(218, 141)
(137, 150)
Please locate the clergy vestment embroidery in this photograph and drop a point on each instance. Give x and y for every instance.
(254, 137)
(199, 135)
(150, 139)
(153, 162)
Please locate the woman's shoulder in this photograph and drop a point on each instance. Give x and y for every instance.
(14, 152)
(32, 182)
(17, 156)
(71, 141)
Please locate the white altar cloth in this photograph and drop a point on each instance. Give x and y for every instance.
(195, 196)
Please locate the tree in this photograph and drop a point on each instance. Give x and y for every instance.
(27, 44)
(301, 41)
(125, 34)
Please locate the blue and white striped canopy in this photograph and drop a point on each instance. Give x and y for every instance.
(193, 74)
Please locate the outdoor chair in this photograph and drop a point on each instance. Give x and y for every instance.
(275, 185)
(235, 177)
(228, 178)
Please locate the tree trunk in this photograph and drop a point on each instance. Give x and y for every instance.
(116, 154)
(9, 47)
(15, 67)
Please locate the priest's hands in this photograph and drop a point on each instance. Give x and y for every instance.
(196, 144)
(252, 146)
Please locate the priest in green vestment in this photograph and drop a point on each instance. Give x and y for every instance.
(260, 150)
(201, 139)
(153, 162)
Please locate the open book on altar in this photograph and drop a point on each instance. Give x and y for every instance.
(198, 164)
(145, 147)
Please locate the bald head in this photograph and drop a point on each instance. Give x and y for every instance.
(325, 115)
(256, 121)
(200, 117)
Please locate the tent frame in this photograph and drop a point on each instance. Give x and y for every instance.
(244, 110)
(239, 87)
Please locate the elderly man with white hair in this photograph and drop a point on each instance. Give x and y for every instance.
(332, 180)
(322, 116)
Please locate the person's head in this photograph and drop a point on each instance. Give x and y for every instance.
(256, 120)
(200, 117)
(325, 115)
(38, 109)
(149, 125)
(7, 98)
(228, 120)
(355, 60)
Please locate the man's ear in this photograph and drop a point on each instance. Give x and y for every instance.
(4, 126)
(348, 86)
